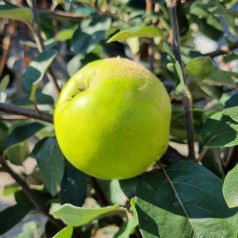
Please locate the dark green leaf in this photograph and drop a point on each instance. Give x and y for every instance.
(73, 186)
(35, 72)
(184, 200)
(12, 216)
(199, 67)
(23, 132)
(10, 11)
(230, 188)
(230, 57)
(129, 186)
(17, 153)
(89, 35)
(4, 131)
(212, 161)
(65, 233)
(219, 130)
(77, 216)
(39, 96)
(51, 163)
(138, 31)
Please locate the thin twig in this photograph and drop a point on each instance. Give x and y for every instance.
(223, 50)
(36, 30)
(187, 98)
(31, 195)
(202, 154)
(12, 109)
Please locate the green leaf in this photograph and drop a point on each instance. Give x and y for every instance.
(4, 82)
(113, 191)
(51, 163)
(78, 216)
(91, 33)
(230, 188)
(17, 153)
(65, 233)
(219, 130)
(231, 112)
(212, 161)
(22, 133)
(73, 186)
(129, 226)
(200, 67)
(65, 34)
(13, 12)
(42, 99)
(35, 72)
(181, 87)
(219, 77)
(184, 200)
(138, 31)
(206, 19)
(12, 216)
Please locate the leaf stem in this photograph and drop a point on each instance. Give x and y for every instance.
(187, 97)
(10, 108)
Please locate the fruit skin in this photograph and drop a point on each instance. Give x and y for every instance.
(112, 119)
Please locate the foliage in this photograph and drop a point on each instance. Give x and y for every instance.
(181, 198)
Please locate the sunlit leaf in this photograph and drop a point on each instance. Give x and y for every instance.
(77, 216)
(11, 11)
(65, 233)
(4, 82)
(35, 72)
(138, 31)
(230, 188)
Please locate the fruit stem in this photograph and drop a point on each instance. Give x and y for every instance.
(187, 97)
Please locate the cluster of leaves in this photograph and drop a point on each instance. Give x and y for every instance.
(184, 199)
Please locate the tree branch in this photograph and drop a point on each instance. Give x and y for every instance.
(31, 195)
(187, 98)
(10, 108)
(223, 50)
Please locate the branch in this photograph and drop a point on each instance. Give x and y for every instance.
(223, 50)
(30, 194)
(12, 109)
(187, 98)
(36, 29)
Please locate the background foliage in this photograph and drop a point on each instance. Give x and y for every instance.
(193, 193)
